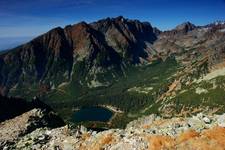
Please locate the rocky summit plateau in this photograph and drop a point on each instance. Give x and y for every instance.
(160, 89)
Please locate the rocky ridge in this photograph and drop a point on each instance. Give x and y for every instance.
(150, 132)
(52, 58)
(13, 129)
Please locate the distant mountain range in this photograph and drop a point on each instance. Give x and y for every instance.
(121, 62)
(11, 42)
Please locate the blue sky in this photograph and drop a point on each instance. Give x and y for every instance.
(29, 18)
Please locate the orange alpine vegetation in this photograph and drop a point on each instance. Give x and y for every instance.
(186, 136)
(211, 139)
(158, 142)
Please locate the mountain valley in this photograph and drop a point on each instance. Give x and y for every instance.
(123, 63)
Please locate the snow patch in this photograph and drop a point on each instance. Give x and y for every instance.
(200, 91)
(219, 22)
(144, 90)
(222, 30)
(62, 84)
(96, 83)
(203, 29)
(213, 74)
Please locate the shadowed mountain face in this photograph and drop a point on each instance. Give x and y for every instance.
(124, 63)
(50, 58)
(12, 107)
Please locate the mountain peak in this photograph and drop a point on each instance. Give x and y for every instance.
(109, 20)
(120, 18)
(82, 23)
(181, 29)
(107, 43)
(187, 26)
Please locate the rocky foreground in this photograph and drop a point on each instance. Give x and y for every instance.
(31, 131)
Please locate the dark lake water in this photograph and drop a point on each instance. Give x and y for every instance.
(92, 114)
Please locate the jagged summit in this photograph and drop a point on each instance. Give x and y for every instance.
(180, 30)
(186, 26)
(102, 44)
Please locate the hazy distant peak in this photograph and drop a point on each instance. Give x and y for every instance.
(186, 26)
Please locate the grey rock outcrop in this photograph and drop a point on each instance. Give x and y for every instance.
(150, 132)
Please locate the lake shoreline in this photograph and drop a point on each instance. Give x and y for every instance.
(94, 113)
(114, 110)
(111, 108)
